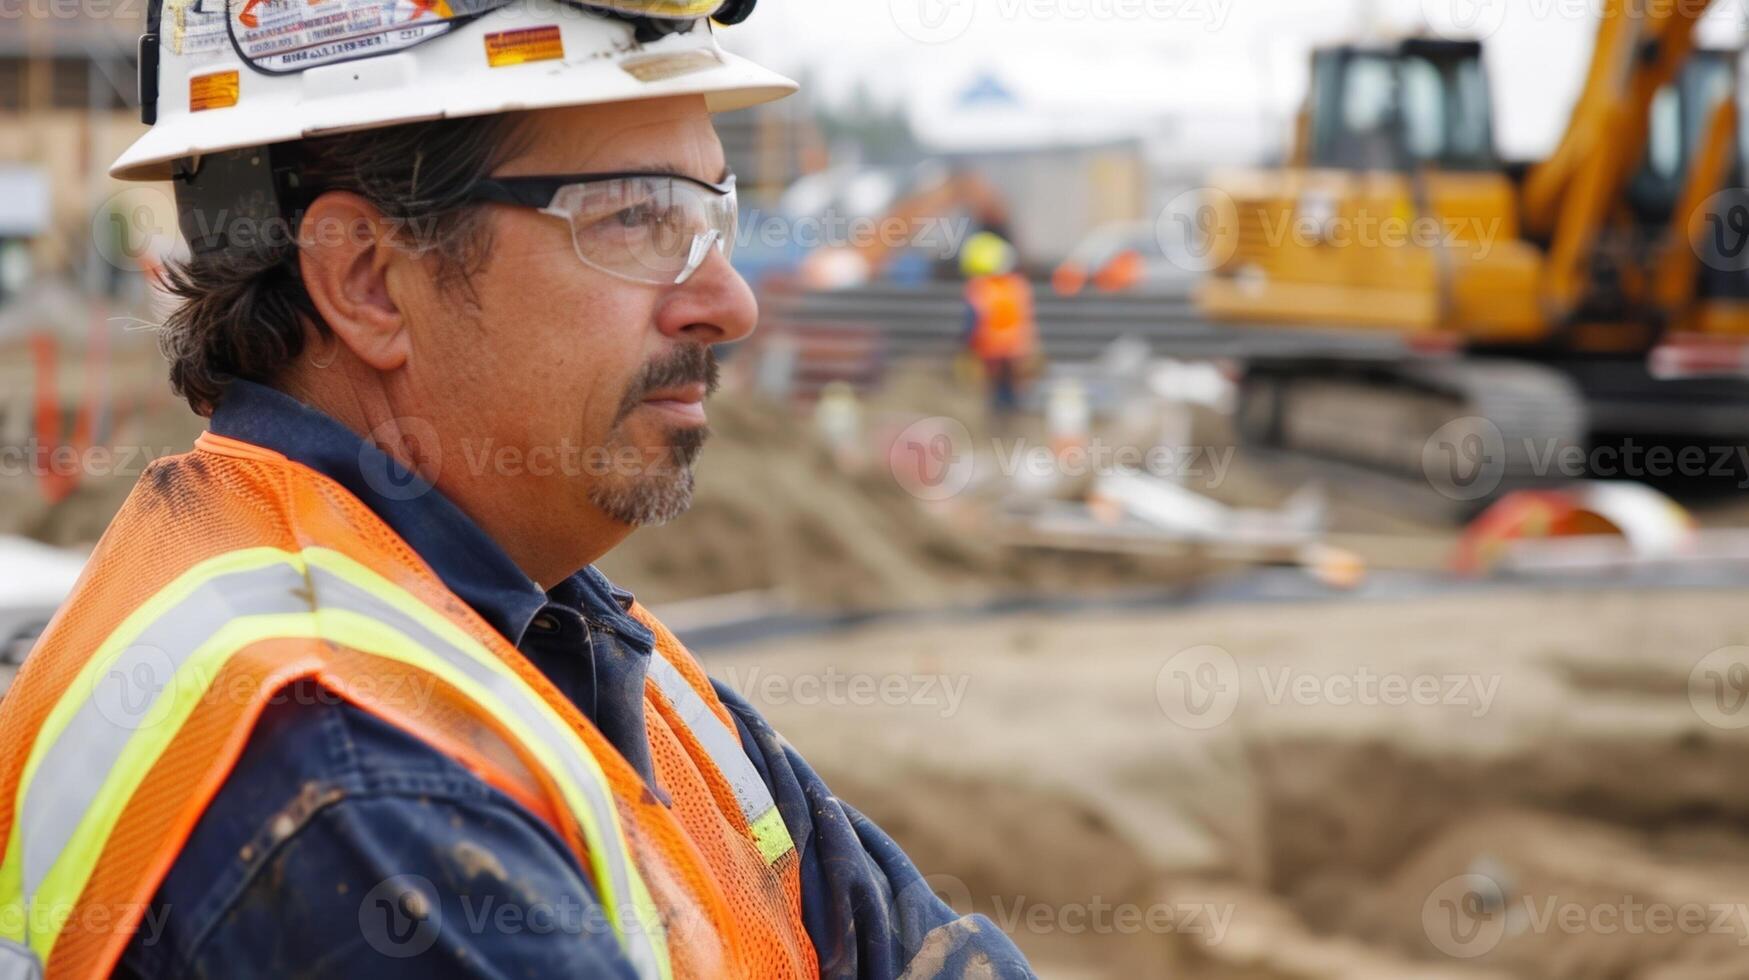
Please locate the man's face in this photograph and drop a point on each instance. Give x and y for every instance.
(579, 389)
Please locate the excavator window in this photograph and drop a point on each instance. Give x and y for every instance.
(1368, 113)
(1423, 104)
(1678, 119)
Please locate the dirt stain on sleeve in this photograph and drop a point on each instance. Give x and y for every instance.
(473, 860)
(930, 963)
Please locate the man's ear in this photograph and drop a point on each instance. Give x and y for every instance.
(346, 249)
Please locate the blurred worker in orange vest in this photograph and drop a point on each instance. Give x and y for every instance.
(999, 326)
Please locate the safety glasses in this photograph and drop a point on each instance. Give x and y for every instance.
(646, 227)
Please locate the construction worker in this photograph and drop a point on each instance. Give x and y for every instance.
(340, 692)
(1000, 333)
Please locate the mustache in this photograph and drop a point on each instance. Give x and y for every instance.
(690, 364)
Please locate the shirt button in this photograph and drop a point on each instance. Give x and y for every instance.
(545, 623)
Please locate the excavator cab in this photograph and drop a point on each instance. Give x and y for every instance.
(1684, 214)
(1394, 211)
(1419, 103)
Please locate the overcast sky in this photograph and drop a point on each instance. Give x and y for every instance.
(1207, 55)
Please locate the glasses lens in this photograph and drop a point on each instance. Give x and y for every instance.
(292, 35)
(643, 228)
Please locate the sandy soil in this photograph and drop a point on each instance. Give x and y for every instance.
(1527, 771)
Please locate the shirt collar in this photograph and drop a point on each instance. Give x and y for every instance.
(468, 561)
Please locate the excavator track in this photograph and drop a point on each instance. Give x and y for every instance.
(1469, 429)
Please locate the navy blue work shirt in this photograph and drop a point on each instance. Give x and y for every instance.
(341, 846)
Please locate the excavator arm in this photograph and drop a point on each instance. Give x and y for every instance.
(1677, 267)
(1568, 197)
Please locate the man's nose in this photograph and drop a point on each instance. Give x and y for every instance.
(714, 306)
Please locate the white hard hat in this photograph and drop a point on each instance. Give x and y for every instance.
(228, 74)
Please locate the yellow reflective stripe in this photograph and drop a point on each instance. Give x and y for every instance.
(12, 927)
(771, 836)
(642, 904)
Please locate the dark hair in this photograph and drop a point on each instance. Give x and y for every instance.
(242, 313)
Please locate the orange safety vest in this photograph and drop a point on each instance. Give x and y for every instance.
(1002, 306)
(232, 571)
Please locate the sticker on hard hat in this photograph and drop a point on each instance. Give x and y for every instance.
(216, 91)
(521, 46)
(292, 35)
(196, 28)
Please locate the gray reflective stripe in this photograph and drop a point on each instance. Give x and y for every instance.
(75, 767)
(17, 962)
(716, 738)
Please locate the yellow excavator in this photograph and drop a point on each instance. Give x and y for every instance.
(1532, 299)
